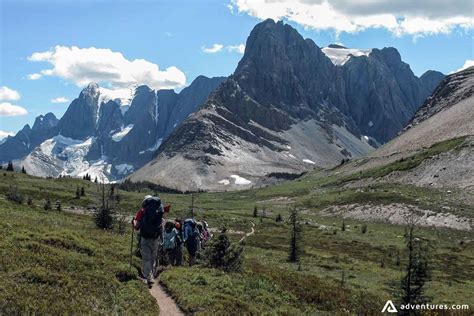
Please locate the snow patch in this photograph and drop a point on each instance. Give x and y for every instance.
(366, 138)
(124, 168)
(239, 180)
(152, 148)
(309, 161)
(371, 124)
(339, 56)
(224, 182)
(122, 133)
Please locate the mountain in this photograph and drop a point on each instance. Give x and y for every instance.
(441, 132)
(288, 107)
(14, 147)
(101, 137)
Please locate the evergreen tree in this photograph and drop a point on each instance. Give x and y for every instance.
(223, 254)
(10, 166)
(295, 236)
(23, 169)
(83, 192)
(417, 273)
(78, 193)
(255, 211)
(104, 216)
(279, 218)
(47, 205)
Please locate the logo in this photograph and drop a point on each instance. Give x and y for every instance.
(389, 307)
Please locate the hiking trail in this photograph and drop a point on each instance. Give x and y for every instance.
(168, 306)
(252, 231)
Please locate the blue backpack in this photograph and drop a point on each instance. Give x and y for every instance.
(169, 239)
(190, 230)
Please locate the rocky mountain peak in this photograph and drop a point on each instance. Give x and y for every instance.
(44, 122)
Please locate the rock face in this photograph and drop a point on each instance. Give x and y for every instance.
(81, 117)
(286, 108)
(445, 116)
(96, 136)
(28, 138)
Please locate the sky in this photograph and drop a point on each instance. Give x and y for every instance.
(51, 49)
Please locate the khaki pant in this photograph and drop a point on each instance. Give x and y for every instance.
(149, 251)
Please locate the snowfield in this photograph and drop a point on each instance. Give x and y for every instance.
(122, 133)
(239, 180)
(339, 56)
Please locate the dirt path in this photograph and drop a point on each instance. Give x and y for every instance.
(166, 303)
(252, 231)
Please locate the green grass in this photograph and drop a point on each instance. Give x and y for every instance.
(56, 263)
(67, 254)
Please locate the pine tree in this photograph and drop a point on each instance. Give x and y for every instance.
(78, 193)
(295, 236)
(417, 273)
(83, 192)
(255, 211)
(47, 205)
(104, 217)
(23, 169)
(10, 166)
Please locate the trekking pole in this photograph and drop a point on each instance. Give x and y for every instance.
(131, 251)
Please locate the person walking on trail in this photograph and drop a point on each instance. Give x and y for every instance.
(170, 242)
(149, 221)
(178, 223)
(191, 239)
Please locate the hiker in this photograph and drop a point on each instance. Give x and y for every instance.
(149, 221)
(178, 223)
(191, 239)
(170, 243)
(205, 235)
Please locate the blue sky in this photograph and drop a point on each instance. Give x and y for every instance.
(176, 34)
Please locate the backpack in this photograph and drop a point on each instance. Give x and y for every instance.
(150, 226)
(169, 239)
(190, 230)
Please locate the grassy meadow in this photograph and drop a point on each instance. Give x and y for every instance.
(58, 262)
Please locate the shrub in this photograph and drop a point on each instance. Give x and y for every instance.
(47, 205)
(224, 255)
(364, 228)
(14, 194)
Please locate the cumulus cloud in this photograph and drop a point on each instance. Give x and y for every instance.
(34, 76)
(4, 134)
(7, 94)
(468, 63)
(236, 48)
(215, 48)
(59, 100)
(8, 109)
(84, 65)
(418, 18)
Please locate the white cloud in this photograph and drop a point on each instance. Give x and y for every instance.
(4, 134)
(59, 100)
(215, 48)
(34, 76)
(8, 109)
(468, 63)
(236, 48)
(104, 66)
(418, 18)
(8, 94)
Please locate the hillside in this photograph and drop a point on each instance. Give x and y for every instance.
(93, 264)
(446, 115)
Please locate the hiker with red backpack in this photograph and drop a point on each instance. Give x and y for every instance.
(149, 221)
